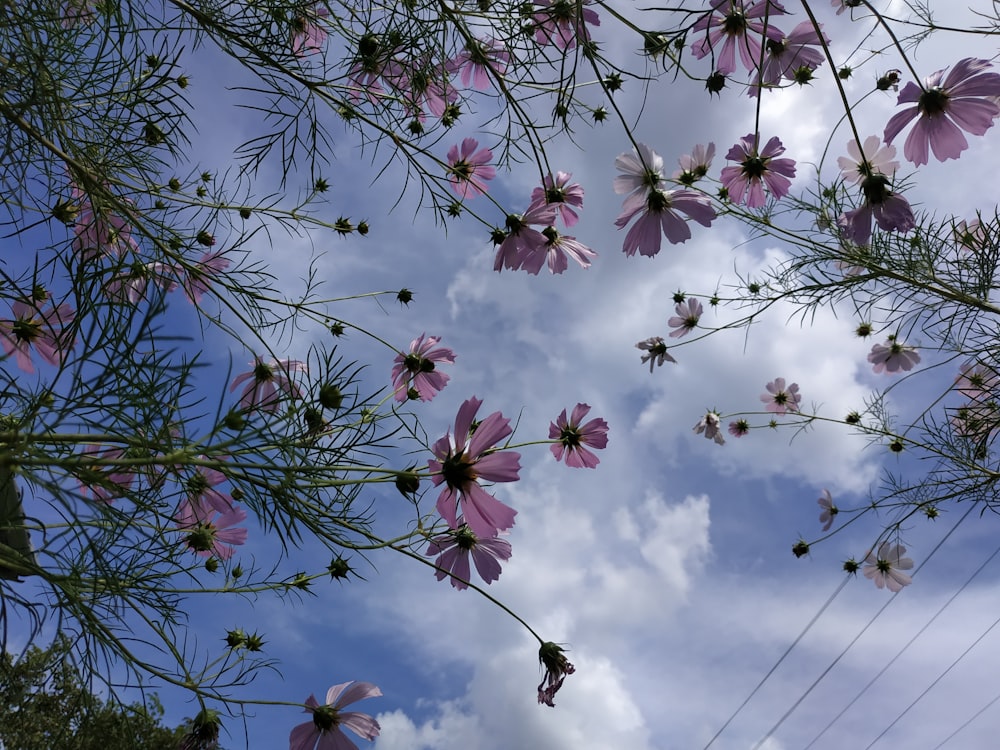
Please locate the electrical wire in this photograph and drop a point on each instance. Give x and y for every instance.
(968, 721)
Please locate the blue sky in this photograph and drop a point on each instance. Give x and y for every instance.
(667, 571)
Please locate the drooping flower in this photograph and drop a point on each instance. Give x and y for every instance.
(308, 34)
(695, 166)
(39, 325)
(828, 510)
(977, 420)
(886, 567)
(780, 398)
(327, 720)
(745, 183)
(556, 251)
(709, 426)
(872, 166)
(104, 482)
(686, 320)
(475, 62)
(558, 193)
(552, 656)
(558, 23)
(945, 106)
(209, 532)
(656, 352)
(892, 357)
(739, 26)
(415, 375)
(661, 214)
(455, 548)
(573, 436)
(468, 169)
(471, 455)
(200, 276)
(269, 382)
(792, 56)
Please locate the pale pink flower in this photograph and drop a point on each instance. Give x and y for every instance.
(552, 656)
(573, 436)
(945, 106)
(662, 212)
(842, 5)
(201, 492)
(695, 166)
(828, 510)
(521, 240)
(327, 720)
(686, 320)
(739, 26)
(555, 253)
(739, 428)
(709, 426)
(788, 55)
(977, 420)
(886, 568)
(893, 357)
(199, 277)
(558, 23)
(132, 284)
(454, 549)
(641, 174)
(209, 532)
(977, 381)
(558, 193)
(869, 159)
(267, 383)
(872, 166)
(468, 169)
(104, 482)
(656, 352)
(34, 326)
(417, 371)
(780, 398)
(420, 82)
(308, 34)
(746, 182)
(460, 462)
(971, 235)
(96, 232)
(77, 12)
(476, 61)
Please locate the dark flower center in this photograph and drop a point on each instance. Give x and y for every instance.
(933, 102)
(325, 718)
(876, 188)
(657, 201)
(457, 470)
(570, 436)
(464, 538)
(754, 167)
(555, 195)
(27, 330)
(262, 372)
(197, 484)
(781, 398)
(202, 538)
(461, 169)
(658, 350)
(735, 23)
(416, 363)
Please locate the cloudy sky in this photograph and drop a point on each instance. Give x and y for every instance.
(667, 572)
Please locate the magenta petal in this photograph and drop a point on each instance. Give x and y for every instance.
(502, 466)
(484, 514)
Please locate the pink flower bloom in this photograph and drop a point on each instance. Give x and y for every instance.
(558, 193)
(419, 82)
(34, 326)
(870, 159)
(827, 509)
(468, 169)
(308, 35)
(553, 657)
(104, 482)
(199, 278)
(77, 12)
(977, 381)
(976, 420)
(842, 5)
(971, 235)
(739, 428)
(686, 320)
(709, 426)
(739, 26)
(133, 284)
(554, 253)
(642, 173)
(327, 720)
(476, 61)
(871, 167)
(455, 547)
(656, 352)
(886, 568)
(472, 456)
(266, 380)
(946, 105)
(201, 491)
(521, 241)
(210, 533)
(695, 166)
(788, 55)
(96, 232)
(573, 436)
(781, 399)
(415, 375)
(559, 24)
(662, 213)
(757, 170)
(893, 357)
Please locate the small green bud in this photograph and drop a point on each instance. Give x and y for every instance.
(851, 566)
(255, 642)
(234, 420)
(330, 396)
(337, 329)
(245, 213)
(800, 548)
(339, 568)
(174, 184)
(236, 638)
(321, 185)
(404, 296)
(407, 482)
(211, 564)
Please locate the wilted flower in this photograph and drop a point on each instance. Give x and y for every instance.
(781, 399)
(468, 169)
(893, 357)
(417, 371)
(886, 568)
(35, 326)
(573, 436)
(745, 183)
(827, 509)
(266, 380)
(454, 549)
(686, 320)
(788, 56)
(555, 253)
(709, 425)
(656, 352)
(553, 657)
(327, 720)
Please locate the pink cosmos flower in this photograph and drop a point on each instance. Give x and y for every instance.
(455, 547)
(210, 533)
(308, 35)
(558, 193)
(554, 253)
(757, 170)
(709, 426)
(781, 399)
(686, 320)
(476, 61)
(132, 285)
(870, 159)
(977, 420)
(201, 491)
(460, 462)
(886, 568)
(739, 428)
(35, 326)
(573, 436)
(199, 278)
(893, 357)
(971, 235)
(656, 352)
(521, 241)
(871, 166)
(553, 657)
(104, 482)
(641, 174)
(946, 105)
(468, 169)
(558, 23)
(695, 166)
(420, 83)
(96, 233)
(77, 12)
(327, 720)
(977, 381)
(842, 5)
(269, 382)
(788, 56)
(415, 375)
(661, 212)
(828, 510)
(739, 26)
